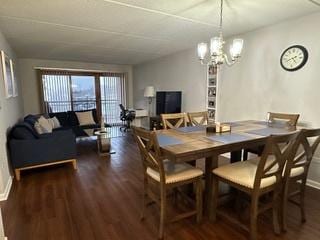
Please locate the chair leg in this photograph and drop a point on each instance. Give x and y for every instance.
(284, 206)
(199, 200)
(163, 203)
(215, 198)
(302, 191)
(253, 217)
(144, 197)
(275, 211)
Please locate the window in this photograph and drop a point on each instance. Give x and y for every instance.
(75, 91)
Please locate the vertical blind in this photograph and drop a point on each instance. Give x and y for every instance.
(65, 91)
(113, 92)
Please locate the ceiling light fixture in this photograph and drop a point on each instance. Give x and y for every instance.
(217, 56)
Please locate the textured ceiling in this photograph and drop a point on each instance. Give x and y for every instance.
(130, 31)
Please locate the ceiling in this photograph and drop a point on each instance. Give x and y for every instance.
(131, 31)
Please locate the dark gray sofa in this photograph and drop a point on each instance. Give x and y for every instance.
(69, 120)
(30, 150)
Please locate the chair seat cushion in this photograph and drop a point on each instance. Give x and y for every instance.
(242, 173)
(175, 172)
(294, 171)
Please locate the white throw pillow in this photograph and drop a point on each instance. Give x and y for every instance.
(85, 118)
(38, 128)
(54, 122)
(43, 125)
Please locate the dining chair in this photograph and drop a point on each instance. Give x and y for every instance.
(256, 180)
(173, 120)
(198, 118)
(280, 119)
(296, 172)
(166, 175)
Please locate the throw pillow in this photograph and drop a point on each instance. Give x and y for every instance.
(85, 118)
(54, 122)
(43, 125)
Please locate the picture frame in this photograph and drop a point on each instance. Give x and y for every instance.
(14, 80)
(7, 76)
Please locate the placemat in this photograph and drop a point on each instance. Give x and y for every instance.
(191, 129)
(230, 138)
(269, 131)
(165, 140)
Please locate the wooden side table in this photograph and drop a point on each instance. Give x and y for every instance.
(103, 142)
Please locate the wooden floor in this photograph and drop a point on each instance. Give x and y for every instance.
(102, 200)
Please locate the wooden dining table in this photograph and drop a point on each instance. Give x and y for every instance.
(187, 144)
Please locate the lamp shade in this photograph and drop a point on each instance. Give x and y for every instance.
(149, 91)
(202, 50)
(236, 48)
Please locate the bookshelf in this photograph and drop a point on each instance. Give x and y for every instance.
(212, 88)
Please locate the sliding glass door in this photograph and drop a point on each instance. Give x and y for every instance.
(71, 91)
(83, 92)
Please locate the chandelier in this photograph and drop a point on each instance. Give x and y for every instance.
(217, 56)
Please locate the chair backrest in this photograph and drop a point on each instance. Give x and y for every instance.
(149, 150)
(291, 119)
(173, 120)
(277, 151)
(305, 147)
(198, 118)
(122, 107)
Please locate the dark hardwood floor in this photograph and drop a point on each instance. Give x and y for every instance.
(102, 200)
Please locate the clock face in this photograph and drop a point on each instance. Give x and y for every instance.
(294, 58)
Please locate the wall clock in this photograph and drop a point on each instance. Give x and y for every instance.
(294, 58)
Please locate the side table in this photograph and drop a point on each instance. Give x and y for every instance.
(103, 142)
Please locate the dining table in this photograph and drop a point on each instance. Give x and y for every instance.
(186, 144)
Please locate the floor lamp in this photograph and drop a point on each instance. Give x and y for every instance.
(149, 93)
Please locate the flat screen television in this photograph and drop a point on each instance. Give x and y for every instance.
(168, 102)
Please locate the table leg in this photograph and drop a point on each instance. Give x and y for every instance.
(236, 156)
(211, 163)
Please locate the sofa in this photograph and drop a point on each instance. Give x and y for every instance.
(28, 149)
(69, 120)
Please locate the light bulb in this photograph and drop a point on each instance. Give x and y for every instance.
(202, 50)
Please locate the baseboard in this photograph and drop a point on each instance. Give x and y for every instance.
(5, 194)
(313, 184)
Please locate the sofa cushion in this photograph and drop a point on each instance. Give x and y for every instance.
(31, 119)
(72, 119)
(23, 130)
(62, 117)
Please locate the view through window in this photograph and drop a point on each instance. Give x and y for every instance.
(67, 91)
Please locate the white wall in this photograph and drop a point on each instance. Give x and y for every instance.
(178, 72)
(30, 82)
(11, 110)
(258, 84)
(255, 85)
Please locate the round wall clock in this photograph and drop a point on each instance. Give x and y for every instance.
(294, 58)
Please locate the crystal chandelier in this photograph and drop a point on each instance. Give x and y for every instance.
(217, 56)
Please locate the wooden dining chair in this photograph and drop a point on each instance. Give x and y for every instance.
(289, 119)
(282, 119)
(296, 172)
(256, 180)
(173, 120)
(166, 175)
(198, 118)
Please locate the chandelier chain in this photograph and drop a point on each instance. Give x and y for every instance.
(221, 11)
